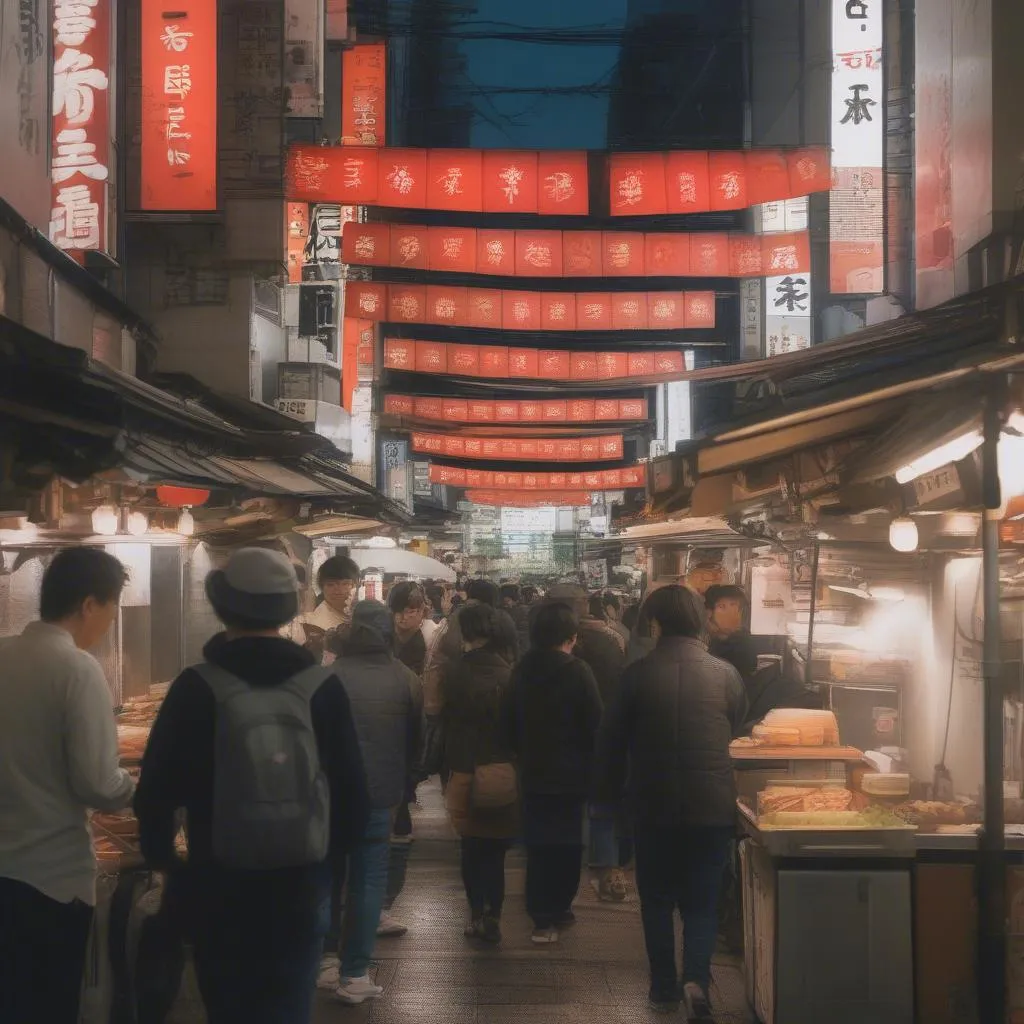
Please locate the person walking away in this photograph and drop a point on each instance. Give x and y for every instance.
(257, 744)
(58, 761)
(669, 729)
(550, 717)
(604, 651)
(387, 706)
(475, 757)
(337, 580)
(512, 602)
(612, 608)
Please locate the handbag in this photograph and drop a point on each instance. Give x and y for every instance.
(494, 786)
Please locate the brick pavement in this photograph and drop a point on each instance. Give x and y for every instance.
(596, 974)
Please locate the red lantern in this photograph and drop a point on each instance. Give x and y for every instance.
(181, 497)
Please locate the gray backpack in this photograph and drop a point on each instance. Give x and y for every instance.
(271, 800)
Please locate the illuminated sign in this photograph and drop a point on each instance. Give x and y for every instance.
(857, 201)
(81, 126)
(364, 95)
(590, 480)
(606, 447)
(179, 105)
(529, 410)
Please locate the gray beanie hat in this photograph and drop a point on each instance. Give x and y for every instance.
(257, 586)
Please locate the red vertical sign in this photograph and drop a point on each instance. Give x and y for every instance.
(179, 105)
(81, 126)
(364, 95)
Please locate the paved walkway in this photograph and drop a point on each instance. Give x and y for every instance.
(596, 974)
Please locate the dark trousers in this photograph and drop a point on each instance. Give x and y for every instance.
(42, 955)
(259, 967)
(680, 869)
(552, 881)
(483, 874)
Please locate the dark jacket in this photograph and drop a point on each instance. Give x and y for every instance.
(605, 652)
(177, 769)
(446, 648)
(471, 693)
(413, 653)
(676, 713)
(520, 616)
(387, 706)
(739, 649)
(550, 716)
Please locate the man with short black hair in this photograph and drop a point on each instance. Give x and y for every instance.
(613, 615)
(668, 732)
(337, 580)
(729, 637)
(259, 747)
(59, 760)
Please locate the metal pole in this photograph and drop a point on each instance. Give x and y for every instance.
(991, 865)
(808, 670)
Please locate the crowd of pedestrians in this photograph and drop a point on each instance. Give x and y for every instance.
(592, 732)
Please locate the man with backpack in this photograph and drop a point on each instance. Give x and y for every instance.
(387, 706)
(259, 748)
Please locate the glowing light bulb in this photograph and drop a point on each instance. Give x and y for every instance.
(137, 523)
(104, 521)
(903, 534)
(186, 524)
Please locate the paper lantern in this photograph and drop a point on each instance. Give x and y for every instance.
(181, 497)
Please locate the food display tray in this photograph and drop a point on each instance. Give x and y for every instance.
(751, 753)
(832, 842)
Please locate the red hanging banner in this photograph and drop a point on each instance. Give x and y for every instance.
(350, 331)
(179, 104)
(363, 94)
(453, 306)
(785, 254)
(563, 184)
(810, 171)
(728, 179)
(687, 183)
(493, 362)
(401, 179)
(549, 254)
(455, 180)
(604, 448)
(509, 182)
(606, 479)
(767, 175)
(637, 183)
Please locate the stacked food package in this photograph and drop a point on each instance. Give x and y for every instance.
(797, 727)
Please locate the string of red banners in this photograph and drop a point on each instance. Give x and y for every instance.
(516, 499)
(551, 183)
(529, 311)
(606, 447)
(496, 362)
(591, 480)
(530, 253)
(469, 410)
(644, 184)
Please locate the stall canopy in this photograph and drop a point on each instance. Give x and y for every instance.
(64, 415)
(398, 562)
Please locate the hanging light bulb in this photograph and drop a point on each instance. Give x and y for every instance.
(186, 524)
(903, 534)
(105, 521)
(137, 523)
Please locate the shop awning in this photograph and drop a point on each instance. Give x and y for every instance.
(706, 532)
(399, 562)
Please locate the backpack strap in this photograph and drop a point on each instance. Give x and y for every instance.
(224, 684)
(309, 680)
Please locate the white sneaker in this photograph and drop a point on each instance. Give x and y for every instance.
(354, 991)
(389, 928)
(330, 974)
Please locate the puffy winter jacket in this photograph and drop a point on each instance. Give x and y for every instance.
(670, 725)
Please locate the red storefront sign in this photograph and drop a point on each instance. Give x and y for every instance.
(502, 252)
(495, 362)
(441, 179)
(364, 94)
(179, 105)
(606, 447)
(645, 184)
(624, 478)
(453, 306)
(81, 127)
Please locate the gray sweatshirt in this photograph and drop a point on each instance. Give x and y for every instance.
(58, 759)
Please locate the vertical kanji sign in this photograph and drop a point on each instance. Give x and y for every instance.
(857, 200)
(179, 105)
(81, 126)
(363, 94)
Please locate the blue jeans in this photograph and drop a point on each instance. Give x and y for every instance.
(680, 869)
(367, 888)
(258, 962)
